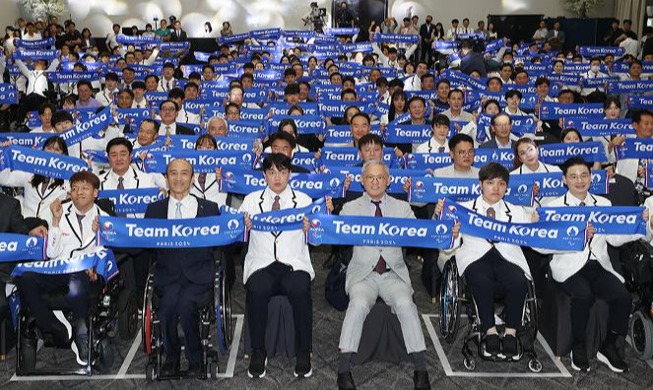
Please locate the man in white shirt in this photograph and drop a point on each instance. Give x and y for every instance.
(277, 263)
(414, 83)
(106, 96)
(30, 34)
(455, 112)
(540, 33)
(167, 82)
(593, 73)
(438, 141)
(465, 29)
(168, 111)
(111, 41)
(37, 85)
(139, 95)
(453, 32)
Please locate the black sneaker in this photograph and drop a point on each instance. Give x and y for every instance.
(579, 360)
(509, 347)
(492, 345)
(80, 348)
(609, 356)
(257, 364)
(303, 367)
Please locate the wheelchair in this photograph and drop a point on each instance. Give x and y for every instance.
(113, 311)
(217, 311)
(637, 260)
(454, 294)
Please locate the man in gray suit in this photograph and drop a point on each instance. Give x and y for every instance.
(379, 272)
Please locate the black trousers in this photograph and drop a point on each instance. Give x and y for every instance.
(279, 279)
(483, 275)
(31, 285)
(182, 301)
(591, 282)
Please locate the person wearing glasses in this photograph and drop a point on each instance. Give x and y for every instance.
(501, 125)
(168, 110)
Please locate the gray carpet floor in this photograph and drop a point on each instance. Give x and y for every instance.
(372, 375)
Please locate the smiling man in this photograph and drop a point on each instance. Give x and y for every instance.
(278, 263)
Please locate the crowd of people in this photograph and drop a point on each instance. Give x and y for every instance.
(254, 93)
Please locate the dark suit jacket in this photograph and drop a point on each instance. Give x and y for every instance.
(183, 130)
(12, 220)
(473, 62)
(492, 144)
(182, 36)
(195, 264)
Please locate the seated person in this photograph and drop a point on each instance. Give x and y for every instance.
(72, 232)
(183, 278)
(277, 263)
(588, 275)
(379, 272)
(484, 264)
(438, 142)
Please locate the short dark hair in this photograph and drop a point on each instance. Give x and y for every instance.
(493, 170)
(542, 80)
(169, 101)
(291, 89)
(440, 120)
(84, 82)
(415, 99)
(85, 176)
(112, 76)
(137, 84)
(640, 113)
(360, 114)
(286, 122)
(513, 92)
(278, 160)
(455, 90)
(368, 139)
(176, 93)
(201, 138)
(156, 124)
(61, 116)
(282, 135)
(573, 161)
(119, 141)
(458, 138)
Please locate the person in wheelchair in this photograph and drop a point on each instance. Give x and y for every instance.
(183, 278)
(379, 272)
(73, 226)
(278, 263)
(589, 274)
(484, 264)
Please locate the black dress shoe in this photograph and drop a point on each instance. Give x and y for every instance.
(346, 381)
(170, 368)
(492, 345)
(421, 380)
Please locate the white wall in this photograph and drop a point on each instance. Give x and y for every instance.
(246, 15)
(10, 12)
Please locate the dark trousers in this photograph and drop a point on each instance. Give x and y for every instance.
(182, 301)
(483, 275)
(279, 279)
(32, 285)
(592, 282)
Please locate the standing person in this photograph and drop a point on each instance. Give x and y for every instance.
(426, 34)
(278, 263)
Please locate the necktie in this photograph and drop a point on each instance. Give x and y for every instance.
(168, 133)
(441, 149)
(380, 266)
(81, 227)
(276, 205)
(44, 185)
(201, 179)
(178, 211)
(490, 213)
(582, 204)
(121, 184)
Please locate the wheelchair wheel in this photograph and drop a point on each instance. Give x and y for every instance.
(27, 356)
(470, 364)
(105, 358)
(449, 301)
(640, 330)
(227, 323)
(535, 365)
(150, 373)
(128, 316)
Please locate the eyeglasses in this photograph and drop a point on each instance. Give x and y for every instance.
(375, 178)
(465, 153)
(168, 109)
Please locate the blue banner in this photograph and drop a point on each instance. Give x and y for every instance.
(494, 45)
(640, 102)
(102, 261)
(396, 38)
(137, 39)
(407, 134)
(39, 43)
(71, 76)
(600, 127)
(601, 51)
(432, 189)
(635, 148)
(446, 45)
(631, 86)
(27, 140)
(35, 54)
(88, 128)
(18, 247)
(346, 156)
(315, 185)
(559, 153)
(375, 231)
(39, 162)
(551, 185)
(606, 220)
(203, 161)
(306, 124)
(342, 31)
(287, 219)
(550, 110)
(246, 129)
(269, 33)
(566, 236)
(133, 200)
(171, 233)
(8, 94)
(178, 46)
(235, 38)
(421, 161)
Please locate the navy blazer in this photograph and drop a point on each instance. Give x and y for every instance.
(196, 264)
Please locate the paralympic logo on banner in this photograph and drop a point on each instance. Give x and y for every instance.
(102, 260)
(606, 220)
(421, 161)
(432, 189)
(375, 231)
(202, 161)
(171, 233)
(566, 236)
(550, 183)
(19, 247)
(52, 165)
(287, 219)
(635, 148)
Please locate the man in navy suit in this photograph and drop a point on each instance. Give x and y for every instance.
(182, 277)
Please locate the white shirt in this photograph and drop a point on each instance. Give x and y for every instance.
(540, 33)
(432, 146)
(68, 240)
(188, 207)
(37, 79)
(413, 83)
(142, 104)
(631, 46)
(35, 199)
(265, 248)
(105, 97)
(163, 129)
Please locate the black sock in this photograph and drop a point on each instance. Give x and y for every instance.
(419, 359)
(344, 361)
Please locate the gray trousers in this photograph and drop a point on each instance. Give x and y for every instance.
(397, 294)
